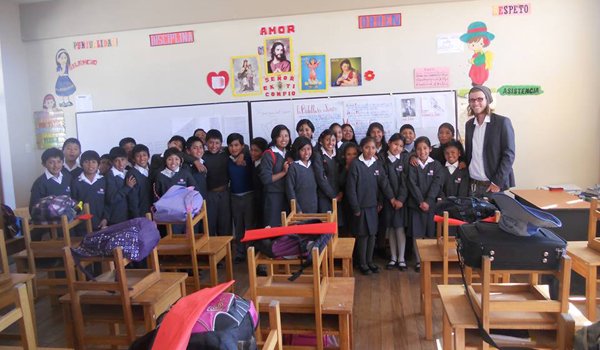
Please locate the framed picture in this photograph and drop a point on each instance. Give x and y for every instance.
(313, 72)
(278, 52)
(346, 71)
(245, 75)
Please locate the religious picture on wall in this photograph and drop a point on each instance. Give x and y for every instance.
(346, 71)
(313, 71)
(64, 85)
(477, 38)
(245, 75)
(408, 107)
(278, 54)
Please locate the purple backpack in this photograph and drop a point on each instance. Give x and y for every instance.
(174, 205)
(51, 208)
(137, 237)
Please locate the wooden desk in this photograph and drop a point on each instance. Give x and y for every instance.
(458, 317)
(585, 263)
(431, 260)
(570, 209)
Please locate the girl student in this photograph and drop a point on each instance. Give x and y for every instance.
(172, 174)
(408, 132)
(350, 152)
(377, 132)
(306, 128)
(300, 180)
(446, 134)
(272, 171)
(348, 134)
(365, 176)
(424, 185)
(337, 131)
(396, 168)
(327, 171)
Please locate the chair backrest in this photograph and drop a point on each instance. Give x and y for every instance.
(274, 339)
(103, 292)
(5, 273)
(593, 219)
(21, 313)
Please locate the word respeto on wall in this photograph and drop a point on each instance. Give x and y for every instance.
(512, 9)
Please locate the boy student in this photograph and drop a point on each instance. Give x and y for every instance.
(408, 132)
(217, 181)
(72, 149)
(90, 187)
(54, 181)
(242, 192)
(127, 143)
(140, 199)
(118, 187)
(258, 146)
(105, 164)
(194, 147)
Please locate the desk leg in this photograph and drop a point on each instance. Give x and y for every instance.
(590, 292)
(149, 321)
(459, 339)
(214, 277)
(229, 265)
(446, 333)
(344, 324)
(29, 286)
(427, 299)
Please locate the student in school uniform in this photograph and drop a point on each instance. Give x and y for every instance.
(272, 171)
(141, 197)
(105, 164)
(408, 132)
(172, 174)
(446, 134)
(456, 180)
(300, 183)
(72, 150)
(327, 167)
(118, 187)
(348, 134)
(242, 192)
(365, 177)
(306, 128)
(424, 185)
(201, 134)
(54, 181)
(350, 153)
(396, 168)
(217, 183)
(194, 147)
(128, 143)
(157, 162)
(377, 132)
(337, 131)
(258, 146)
(90, 187)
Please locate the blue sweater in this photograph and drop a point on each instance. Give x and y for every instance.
(241, 176)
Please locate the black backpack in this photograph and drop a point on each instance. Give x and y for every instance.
(468, 209)
(12, 225)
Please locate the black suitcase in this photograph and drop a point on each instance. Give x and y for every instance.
(541, 251)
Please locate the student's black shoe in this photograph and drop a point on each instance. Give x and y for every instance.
(401, 265)
(418, 267)
(391, 265)
(261, 270)
(374, 268)
(365, 271)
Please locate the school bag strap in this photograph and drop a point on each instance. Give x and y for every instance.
(309, 229)
(270, 151)
(175, 330)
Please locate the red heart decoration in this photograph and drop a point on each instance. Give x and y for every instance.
(217, 81)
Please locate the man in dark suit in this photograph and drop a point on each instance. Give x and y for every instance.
(490, 145)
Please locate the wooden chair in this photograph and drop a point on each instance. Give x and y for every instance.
(274, 339)
(21, 313)
(49, 278)
(593, 241)
(519, 305)
(179, 251)
(340, 248)
(118, 296)
(314, 294)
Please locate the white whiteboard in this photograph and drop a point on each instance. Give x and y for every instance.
(153, 127)
(430, 109)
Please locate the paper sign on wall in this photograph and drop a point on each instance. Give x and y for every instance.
(449, 43)
(512, 9)
(433, 77)
(172, 38)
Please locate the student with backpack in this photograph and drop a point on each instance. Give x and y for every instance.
(172, 174)
(54, 181)
(141, 198)
(272, 171)
(90, 188)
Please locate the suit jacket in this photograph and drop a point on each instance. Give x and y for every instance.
(498, 150)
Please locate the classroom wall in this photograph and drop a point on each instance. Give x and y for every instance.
(555, 46)
(17, 158)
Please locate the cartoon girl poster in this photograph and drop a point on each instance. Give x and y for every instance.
(64, 86)
(49, 104)
(477, 38)
(313, 71)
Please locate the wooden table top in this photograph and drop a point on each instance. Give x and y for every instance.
(559, 200)
(580, 250)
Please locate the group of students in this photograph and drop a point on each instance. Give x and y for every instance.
(382, 186)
